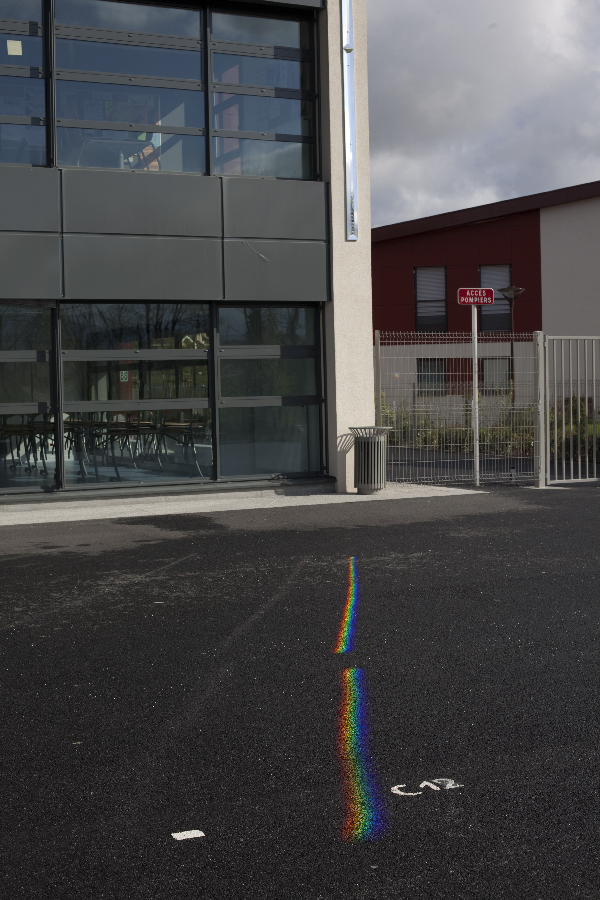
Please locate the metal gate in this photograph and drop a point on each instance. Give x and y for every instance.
(572, 396)
(424, 394)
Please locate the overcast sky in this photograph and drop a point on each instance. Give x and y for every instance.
(473, 101)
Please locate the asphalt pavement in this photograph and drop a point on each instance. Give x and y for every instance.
(177, 675)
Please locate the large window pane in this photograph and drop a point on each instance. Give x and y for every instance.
(128, 17)
(120, 103)
(27, 460)
(147, 151)
(125, 59)
(135, 326)
(24, 382)
(271, 159)
(266, 325)
(135, 446)
(22, 96)
(20, 50)
(24, 144)
(128, 380)
(26, 10)
(259, 70)
(268, 377)
(26, 439)
(269, 440)
(24, 327)
(259, 30)
(241, 112)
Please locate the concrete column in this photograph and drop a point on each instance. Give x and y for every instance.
(348, 318)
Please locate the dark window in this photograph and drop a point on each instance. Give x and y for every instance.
(260, 71)
(147, 397)
(144, 151)
(23, 144)
(259, 30)
(20, 50)
(287, 326)
(262, 102)
(430, 290)
(128, 17)
(24, 10)
(125, 103)
(22, 88)
(497, 316)
(239, 112)
(431, 377)
(128, 65)
(156, 62)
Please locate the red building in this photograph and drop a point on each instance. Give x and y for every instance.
(418, 266)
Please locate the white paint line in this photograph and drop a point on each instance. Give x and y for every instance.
(184, 835)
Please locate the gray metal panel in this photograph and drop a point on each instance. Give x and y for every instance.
(105, 202)
(113, 267)
(29, 266)
(276, 271)
(30, 198)
(269, 208)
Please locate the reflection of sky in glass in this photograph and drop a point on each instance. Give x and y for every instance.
(346, 633)
(128, 16)
(363, 818)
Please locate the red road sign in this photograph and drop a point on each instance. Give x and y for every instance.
(475, 296)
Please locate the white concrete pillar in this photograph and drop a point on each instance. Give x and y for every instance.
(348, 318)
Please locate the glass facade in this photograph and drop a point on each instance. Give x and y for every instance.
(97, 394)
(156, 88)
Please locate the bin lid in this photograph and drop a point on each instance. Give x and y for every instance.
(370, 430)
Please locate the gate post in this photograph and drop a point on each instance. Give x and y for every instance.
(377, 361)
(539, 438)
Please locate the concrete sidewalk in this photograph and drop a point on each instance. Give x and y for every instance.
(168, 505)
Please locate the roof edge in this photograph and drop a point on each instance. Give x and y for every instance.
(487, 211)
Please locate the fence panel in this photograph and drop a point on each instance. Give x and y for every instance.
(572, 398)
(426, 393)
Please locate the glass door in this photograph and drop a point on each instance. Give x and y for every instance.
(269, 396)
(136, 392)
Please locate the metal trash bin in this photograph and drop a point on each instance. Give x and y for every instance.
(370, 458)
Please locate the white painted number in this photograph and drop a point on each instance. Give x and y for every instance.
(447, 783)
(436, 784)
(396, 790)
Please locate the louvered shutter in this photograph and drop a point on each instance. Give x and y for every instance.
(496, 317)
(431, 298)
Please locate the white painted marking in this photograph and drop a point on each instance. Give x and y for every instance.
(447, 783)
(184, 835)
(396, 790)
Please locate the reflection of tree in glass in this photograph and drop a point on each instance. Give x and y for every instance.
(107, 326)
(266, 325)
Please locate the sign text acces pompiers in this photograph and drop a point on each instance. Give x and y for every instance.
(475, 296)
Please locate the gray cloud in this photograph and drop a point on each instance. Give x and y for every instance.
(473, 101)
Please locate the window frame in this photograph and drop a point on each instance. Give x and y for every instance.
(482, 310)
(416, 299)
(29, 29)
(50, 32)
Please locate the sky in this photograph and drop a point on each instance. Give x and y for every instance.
(473, 101)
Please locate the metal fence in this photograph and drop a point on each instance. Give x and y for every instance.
(572, 397)
(424, 392)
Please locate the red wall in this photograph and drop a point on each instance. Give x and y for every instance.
(462, 249)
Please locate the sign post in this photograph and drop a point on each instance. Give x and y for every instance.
(475, 297)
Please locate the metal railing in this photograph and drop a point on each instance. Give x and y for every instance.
(424, 392)
(572, 399)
